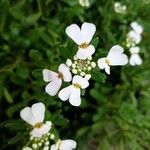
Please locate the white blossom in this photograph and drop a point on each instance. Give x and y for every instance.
(64, 145)
(82, 37)
(135, 58)
(115, 57)
(35, 116)
(84, 3)
(136, 27)
(119, 8)
(73, 91)
(55, 79)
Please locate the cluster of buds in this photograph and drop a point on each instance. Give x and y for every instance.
(134, 37)
(81, 67)
(120, 8)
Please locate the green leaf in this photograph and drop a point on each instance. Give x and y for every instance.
(8, 96)
(97, 76)
(95, 41)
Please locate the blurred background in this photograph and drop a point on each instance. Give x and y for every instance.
(115, 110)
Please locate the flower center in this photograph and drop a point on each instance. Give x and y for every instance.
(38, 125)
(60, 75)
(84, 45)
(76, 85)
(107, 61)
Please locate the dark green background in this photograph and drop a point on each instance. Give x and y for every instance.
(115, 114)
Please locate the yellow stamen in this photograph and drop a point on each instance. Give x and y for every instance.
(107, 61)
(76, 85)
(38, 125)
(60, 75)
(84, 45)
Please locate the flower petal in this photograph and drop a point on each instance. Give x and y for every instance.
(83, 82)
(64, 94)
(27, 115)
(38, 110)
(68, 144)
(134, 36)
(87, 30)
(53, 87)
(75, 98)
(39, 132)
(84, 53)
(116, 56)
(49, 75)
(73, 31)
(135, 59)
(67, 76)
(107, 69)
(137, 27)
(101, 63)
(134, 50)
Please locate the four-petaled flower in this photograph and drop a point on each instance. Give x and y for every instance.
(135, 58)
(73, 91)
(82, 37)
(35, 116)
(64, 145)
(56, 79)
(115, 57)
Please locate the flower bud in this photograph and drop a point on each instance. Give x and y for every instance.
(88, 76)
(74, 71)
(68, 62)
(93, 64)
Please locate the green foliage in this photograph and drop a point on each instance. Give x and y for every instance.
(115, 110)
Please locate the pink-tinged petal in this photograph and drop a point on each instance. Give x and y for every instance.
(49, 75)
(53, 87)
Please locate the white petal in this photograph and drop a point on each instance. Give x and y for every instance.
(67, 76)
(27, 115)
(134, 50)
(83, 82)
(75, 98)
(49, 75)
(38, 110)
(107, 69)
(70, 144)
(53, 147)
(116, 56)
(101, 63)
(84, 53)
(135, 37)
(53, 87)
(73, 31)
(27, 148)
(64, 94)
(135, 60)
(137, 27)
(39, 132)
(87, 30)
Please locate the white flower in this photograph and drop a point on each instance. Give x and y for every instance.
(82, 37)
(35, 116)
(64, 145)
(115, 57)
(119, 8)
(73, 91)
(135, 58)
(55, 79)
(134, 37)
(84, 3)
(136, 27)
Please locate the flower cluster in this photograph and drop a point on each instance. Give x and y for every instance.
(41, 132)
(78, 70)
(84, 3)
(120, 8)
(134, 37)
